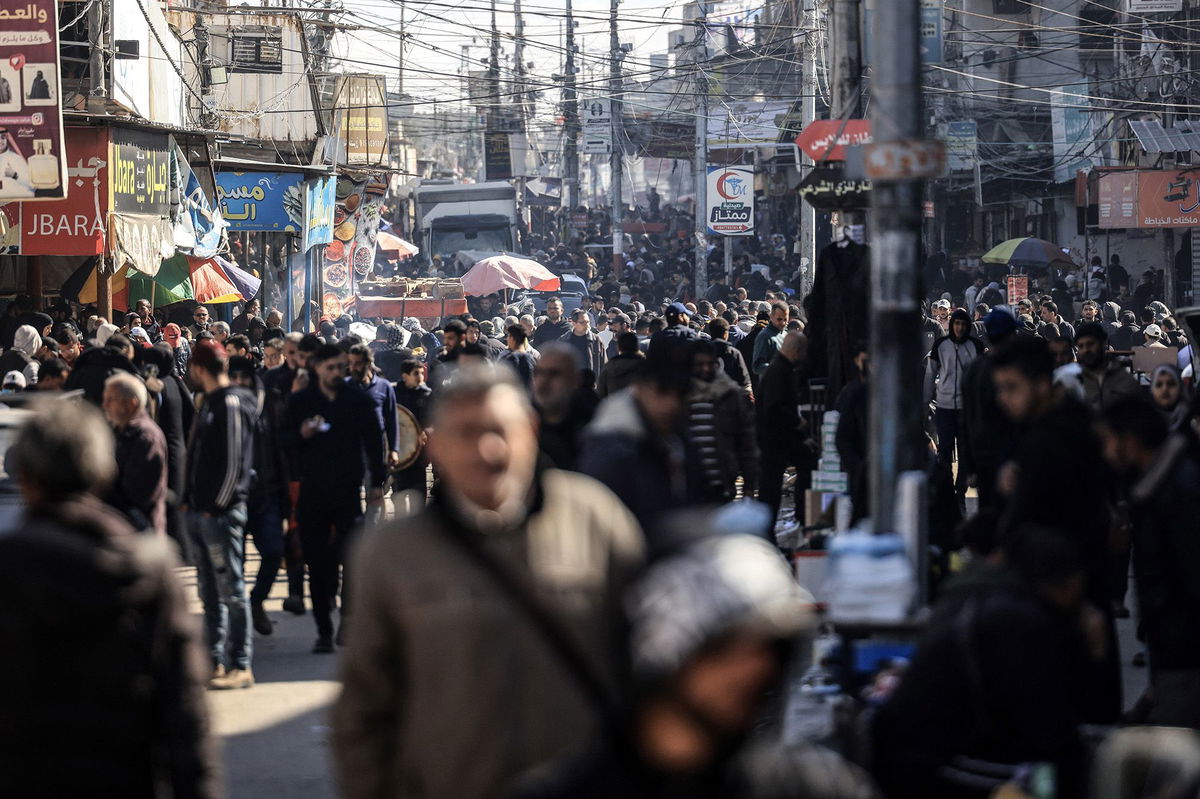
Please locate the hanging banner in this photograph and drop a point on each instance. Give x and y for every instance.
(77, 225)
(262, 201)
(141, 242)
(931, 31)
(198, 226)
(360, 107)
(730, 201)
(1118, 200)
(32, 157)
(350, 257)
(1073, 126)
(546, 192)
(319, 199)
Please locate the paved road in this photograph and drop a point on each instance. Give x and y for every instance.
(274, 736)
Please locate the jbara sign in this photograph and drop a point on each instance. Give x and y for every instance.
(730, 201)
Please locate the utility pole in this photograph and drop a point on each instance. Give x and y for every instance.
(847, 60)
(617, 157)
(493, 77)
(808, 113)
(570, 174)
(208, 117)
(897, 443)
(700, 165)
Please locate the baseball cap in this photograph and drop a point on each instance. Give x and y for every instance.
(678, 308)
(1153, 331)
(13, 380)
(942, 304)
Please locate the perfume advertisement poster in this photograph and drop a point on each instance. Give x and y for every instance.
(32, 161)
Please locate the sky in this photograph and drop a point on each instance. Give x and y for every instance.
(439, 29)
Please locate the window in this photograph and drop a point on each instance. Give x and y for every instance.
(256, 53)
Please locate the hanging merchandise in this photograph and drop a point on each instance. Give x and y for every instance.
(350, 257)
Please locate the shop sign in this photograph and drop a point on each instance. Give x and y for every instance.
(827, 188)
(78, 224)
(32, 157)
(497, 159)
(730, 199)
(362, 120)
(319, 199)
(141, 172)
(827, 139)
(1018, 289)
(1168, 198)
(262, 201)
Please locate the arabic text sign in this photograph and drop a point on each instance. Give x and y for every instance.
(77, 224)
(363, 122)
(1161, 198)
(319, 199)
(827, 139)
(141, 172)
(1153, 6)
(730, 201)
(739, 124)
(32, 161)
(827, 188)
(263, 201)
(962, 144)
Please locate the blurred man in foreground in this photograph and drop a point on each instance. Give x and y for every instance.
(448, 652)
(102, 669)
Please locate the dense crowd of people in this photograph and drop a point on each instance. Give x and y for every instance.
(571, 594)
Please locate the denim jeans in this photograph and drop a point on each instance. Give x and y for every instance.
(265, 526)
(220, 553)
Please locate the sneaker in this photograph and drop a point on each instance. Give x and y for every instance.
(324, 645)
(262, 622)
(234, 679)
(218, 673)
(294, 604)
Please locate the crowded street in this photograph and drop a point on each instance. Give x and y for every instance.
(599, 400)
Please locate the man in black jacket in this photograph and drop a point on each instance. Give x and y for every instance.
(220, 467)
(584, 341)
(335, 431)
(1165, 497)
(780, 439)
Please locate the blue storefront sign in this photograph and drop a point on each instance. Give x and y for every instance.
(319, 199)
(262, 201)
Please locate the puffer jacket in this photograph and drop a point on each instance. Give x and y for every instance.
(720, 440)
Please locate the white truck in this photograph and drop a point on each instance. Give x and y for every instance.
(452, 217)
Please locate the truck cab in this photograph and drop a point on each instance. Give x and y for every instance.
(452, 217)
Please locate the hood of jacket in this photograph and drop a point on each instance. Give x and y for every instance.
(105, 357)
(1110, 312)
(711, 391)
(27, 340)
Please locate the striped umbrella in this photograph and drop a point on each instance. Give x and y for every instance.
(1028, 252)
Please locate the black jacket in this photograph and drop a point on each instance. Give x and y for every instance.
(673, 342)
(221, 450)
(974, 690)
(1166, 552)
(102, 662)
(733, 363)
(778, 408)
(332, 463)
(95, 366)
(591, 351)
(549, 331)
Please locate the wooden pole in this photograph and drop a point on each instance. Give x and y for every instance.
(33, 281)
(103, 291)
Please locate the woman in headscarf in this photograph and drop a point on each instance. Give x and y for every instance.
(1170, 395)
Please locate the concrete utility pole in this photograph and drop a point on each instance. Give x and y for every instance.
(617, 157)
(570, 172)
(845, 92)
(897, 441)
(493, 104)
(808, 113)
(700, 164)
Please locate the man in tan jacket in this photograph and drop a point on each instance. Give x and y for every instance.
(450, 688)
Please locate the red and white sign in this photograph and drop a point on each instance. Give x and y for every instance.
(730, 201)
(827, 139)
(76, 225)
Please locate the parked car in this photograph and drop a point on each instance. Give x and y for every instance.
(573, 291)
